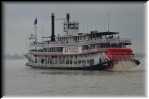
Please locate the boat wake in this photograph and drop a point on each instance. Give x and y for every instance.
(127, 66)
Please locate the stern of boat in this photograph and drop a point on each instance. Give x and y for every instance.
(122, 59)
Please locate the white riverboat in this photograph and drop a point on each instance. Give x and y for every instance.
(74, 50)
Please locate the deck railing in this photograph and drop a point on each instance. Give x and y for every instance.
(93, 41)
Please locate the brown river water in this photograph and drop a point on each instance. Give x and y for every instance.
(20, 80)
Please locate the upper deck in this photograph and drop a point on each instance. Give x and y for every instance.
(85, 39)
(73, 38)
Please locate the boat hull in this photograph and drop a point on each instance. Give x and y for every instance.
(118, 66)
(92, 67)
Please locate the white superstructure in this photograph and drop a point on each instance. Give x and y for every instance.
(76, 50)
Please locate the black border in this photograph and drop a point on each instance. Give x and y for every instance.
(29, 1)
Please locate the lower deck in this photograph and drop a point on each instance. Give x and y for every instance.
(67, 60)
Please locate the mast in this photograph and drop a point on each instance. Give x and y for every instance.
(35, 31)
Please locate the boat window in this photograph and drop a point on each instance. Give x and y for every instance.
(67, 61)
(42, 61)
(60, 49)
(50, 61)
(70, 61)
(61, 61)
(76, 56)
(84, 62)
(85, 47)
(92, 46)
(75, 62)
(88, 61)
(79, 61)
(55, 61)
(35, 59)
(100, 60)
(92, 61)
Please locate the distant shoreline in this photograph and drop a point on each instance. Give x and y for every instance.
(14, 57)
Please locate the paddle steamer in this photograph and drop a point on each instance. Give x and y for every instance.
(76, 50)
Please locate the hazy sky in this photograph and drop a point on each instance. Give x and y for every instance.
(126, 18)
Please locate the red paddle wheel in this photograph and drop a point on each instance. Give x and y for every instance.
(117, 54)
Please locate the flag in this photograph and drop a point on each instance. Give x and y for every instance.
(35, 21)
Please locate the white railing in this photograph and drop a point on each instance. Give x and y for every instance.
(62, 53)
(46, 53)
(93, 41)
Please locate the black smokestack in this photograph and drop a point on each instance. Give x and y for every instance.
(68, 18)
(52, 27)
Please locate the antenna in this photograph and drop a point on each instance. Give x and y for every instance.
(108, 27)
(108, 18)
